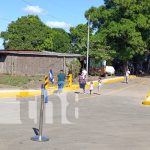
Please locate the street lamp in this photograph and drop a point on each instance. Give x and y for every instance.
(88, 44)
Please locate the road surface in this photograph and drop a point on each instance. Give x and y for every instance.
(113, 120)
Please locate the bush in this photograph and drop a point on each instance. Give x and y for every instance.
(74, 67)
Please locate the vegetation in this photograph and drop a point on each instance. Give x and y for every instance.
(74, 67)
(30, 33)
(119, 29)
(122, 26)
(79, 38)
(61, 41)
(19, 81)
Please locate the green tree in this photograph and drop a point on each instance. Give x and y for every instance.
(123, 25)
(30, 33)
(47, 44)
(79, 38)
(27, 33)
(61, 40)
(98, 49)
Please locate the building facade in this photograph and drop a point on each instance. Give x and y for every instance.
(17, 62)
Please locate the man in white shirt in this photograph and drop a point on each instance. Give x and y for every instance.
(127, 75)
(84, 73)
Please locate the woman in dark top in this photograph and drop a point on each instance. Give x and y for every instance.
(82, 82)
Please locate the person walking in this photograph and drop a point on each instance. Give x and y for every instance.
(84, 73)
(127, 73)
(99, 85)
(82, 82)
(61, 80)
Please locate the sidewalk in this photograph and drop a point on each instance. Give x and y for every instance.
(37, 92)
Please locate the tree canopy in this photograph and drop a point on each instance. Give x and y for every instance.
(79, 38)
(119, 28)
(61, 40)
(30, 33)
(123, 26)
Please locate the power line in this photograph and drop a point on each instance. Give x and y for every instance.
(88, 44)
(56, 5)
(52, 16)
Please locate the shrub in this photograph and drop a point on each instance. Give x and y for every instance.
(74, 67)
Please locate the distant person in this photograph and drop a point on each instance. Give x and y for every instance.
(61, 80)
(127, 73)
(84, 73)
(91, 87)
(99, 84)
(51, 76)
(82, 82)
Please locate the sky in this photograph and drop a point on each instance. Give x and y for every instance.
(54, 13)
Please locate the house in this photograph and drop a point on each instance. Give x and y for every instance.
(26, 62)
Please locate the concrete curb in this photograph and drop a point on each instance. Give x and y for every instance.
(52, 90)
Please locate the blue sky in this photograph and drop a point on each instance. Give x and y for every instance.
(54, 13)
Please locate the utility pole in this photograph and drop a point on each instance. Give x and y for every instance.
(88, 45)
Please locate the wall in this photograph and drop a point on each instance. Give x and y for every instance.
(31, 65)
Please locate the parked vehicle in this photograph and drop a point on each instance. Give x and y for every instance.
(110, 70)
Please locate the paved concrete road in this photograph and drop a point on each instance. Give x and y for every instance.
(114, 120)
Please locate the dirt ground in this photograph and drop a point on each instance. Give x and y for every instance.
(36, 84)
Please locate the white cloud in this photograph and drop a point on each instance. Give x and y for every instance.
(56, 24)
(33, 9)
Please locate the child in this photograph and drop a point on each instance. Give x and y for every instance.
(91, 87)
(99, 84)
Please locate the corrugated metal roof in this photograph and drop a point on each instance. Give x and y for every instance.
(43, 53)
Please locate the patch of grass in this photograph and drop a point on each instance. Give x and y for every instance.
(15, 80)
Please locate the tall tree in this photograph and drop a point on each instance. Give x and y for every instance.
(61, 40)
(123, 25)
(30, 33)
(97, 48)
(27, 33)
(79, 38)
